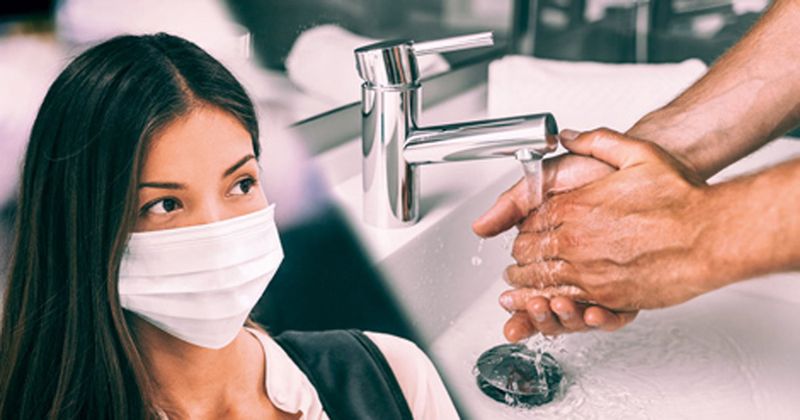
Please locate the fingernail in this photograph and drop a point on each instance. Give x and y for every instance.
(568, 135)
(566, 316)
(540, 317)
(512, 334)
(506, 302)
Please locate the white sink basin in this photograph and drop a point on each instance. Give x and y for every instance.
(734, 353)
(724, 355)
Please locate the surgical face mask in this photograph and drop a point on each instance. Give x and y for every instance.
(199, 283)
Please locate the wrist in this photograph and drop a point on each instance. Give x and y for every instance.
(727, 259)
(671, 128)
(751, 228)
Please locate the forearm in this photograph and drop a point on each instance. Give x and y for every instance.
(750, 96)
(754, 226)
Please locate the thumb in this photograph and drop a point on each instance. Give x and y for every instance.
(511, 207)
(608, 146)
(564, 172)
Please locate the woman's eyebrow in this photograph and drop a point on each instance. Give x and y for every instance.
(237, 165)
(163, 185)
(179, 186)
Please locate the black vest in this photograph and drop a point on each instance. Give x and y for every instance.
(351, 376)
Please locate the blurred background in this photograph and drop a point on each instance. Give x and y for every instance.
(295, 59)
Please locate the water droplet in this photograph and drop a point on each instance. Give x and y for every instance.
(476, 261)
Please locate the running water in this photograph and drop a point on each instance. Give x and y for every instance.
(532, 168)
(522, 375)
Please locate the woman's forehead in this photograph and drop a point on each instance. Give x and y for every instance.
(206, 138)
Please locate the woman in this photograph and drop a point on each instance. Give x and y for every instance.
(143, 240)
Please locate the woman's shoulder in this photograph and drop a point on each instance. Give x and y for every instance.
(420, 382)
(398, 350)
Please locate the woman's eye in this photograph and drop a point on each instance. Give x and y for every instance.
(163, 206)
(243, 187)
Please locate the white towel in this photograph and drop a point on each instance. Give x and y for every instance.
(322, 63)
(586, 95)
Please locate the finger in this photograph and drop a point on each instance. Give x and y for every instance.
(542, 318)
(511, 207)
(570, 313)
(562, 173)
(609, 146)
(518, 327)
(517, 299)
(570, 171)
(557, 275)
(550, 215)
(530, 247)
(607, 320)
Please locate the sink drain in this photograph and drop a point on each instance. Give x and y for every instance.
(516, 375)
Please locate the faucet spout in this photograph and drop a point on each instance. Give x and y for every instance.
(484, 139)
(393, 146)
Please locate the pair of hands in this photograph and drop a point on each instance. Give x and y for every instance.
(620, 230)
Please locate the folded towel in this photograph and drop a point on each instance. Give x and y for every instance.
(321, 63)
(585, 95)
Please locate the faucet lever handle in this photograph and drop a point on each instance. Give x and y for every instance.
(482, 39)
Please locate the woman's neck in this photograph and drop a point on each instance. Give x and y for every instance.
(196, 381)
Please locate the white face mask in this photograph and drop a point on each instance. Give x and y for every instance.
(199, 283)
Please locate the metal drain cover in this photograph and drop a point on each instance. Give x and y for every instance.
(508, 373)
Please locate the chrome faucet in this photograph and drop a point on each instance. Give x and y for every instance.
(394, 147)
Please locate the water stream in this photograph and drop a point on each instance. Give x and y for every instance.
(522, 375)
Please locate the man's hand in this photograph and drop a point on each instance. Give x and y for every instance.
(537, 312)
(632, 240)
(747, 98)
(533, 312)
(565, 172)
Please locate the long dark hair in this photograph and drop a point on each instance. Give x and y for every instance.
(66, 349)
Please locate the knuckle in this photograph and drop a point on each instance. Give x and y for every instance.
(557, 204)
(603, 132)
(567, 239)
(559, 269)
(528, 224)
(508, 274)
(647, 148)
(539, 304)
(516, 276)
(518, 251)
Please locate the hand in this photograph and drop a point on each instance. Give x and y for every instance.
(562, 173)
(560, 315)
(532, 313)
(632, 240)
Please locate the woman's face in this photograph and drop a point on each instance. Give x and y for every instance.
(199, 169)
